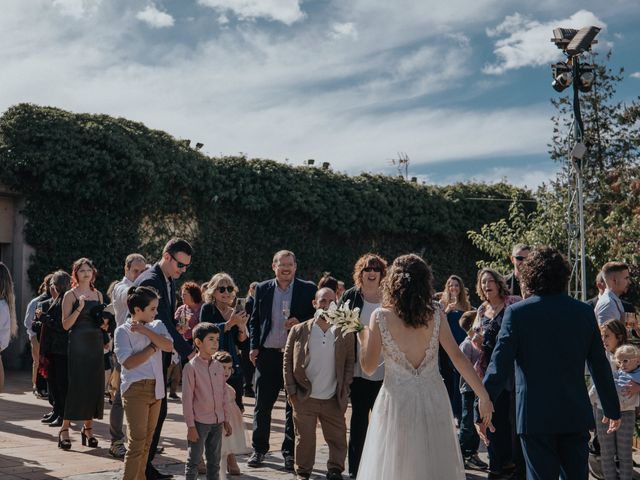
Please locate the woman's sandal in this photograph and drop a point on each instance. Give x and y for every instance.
(64, 444)
(92, 441)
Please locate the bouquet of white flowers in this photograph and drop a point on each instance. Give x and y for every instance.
(344, 317)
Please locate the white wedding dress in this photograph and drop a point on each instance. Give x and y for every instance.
(411, 433)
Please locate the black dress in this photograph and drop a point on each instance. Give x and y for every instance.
(85, 394)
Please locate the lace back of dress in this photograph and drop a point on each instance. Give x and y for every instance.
(395, 360)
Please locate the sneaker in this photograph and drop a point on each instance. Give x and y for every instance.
(174, 396)
(473, 462)
(334, 475)
(117, 450)
(256, 460)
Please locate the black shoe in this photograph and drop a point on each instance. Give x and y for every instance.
(248, 392)
(334, 475)
(289, 463)
(496, 475)
(163, 476)
(56, 423)
(49, 417)
(174, 396)
(256, 460)
(473, 462)
(153, 474)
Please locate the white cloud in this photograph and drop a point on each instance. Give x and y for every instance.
(526, 42)
(285, 11)
(155, 18)
(223, 19)
(77, 8)
(340, 30)
(635, 75)
(526, 177)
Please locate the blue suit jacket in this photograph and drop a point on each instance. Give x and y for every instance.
(301, 307)
(548, 339)
(154, 277)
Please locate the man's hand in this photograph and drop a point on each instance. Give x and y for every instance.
(290, 322)
(613, 424)
(253, 356)
(482, 431)
(227, 428)
(192, 434)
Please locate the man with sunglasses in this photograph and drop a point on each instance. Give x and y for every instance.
(280, 303)
(518, 255)
(176, 258)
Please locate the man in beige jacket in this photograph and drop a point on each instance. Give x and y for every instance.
(318, 369)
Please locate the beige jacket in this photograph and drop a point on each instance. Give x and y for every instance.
(296, 360)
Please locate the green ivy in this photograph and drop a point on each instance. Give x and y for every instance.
(103, 187)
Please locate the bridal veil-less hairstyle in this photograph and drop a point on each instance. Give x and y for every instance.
(140, 297)
(545, 272)
(7, 294)
(408, 289)
(61, 280)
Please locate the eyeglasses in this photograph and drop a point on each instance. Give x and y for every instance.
(180, 264)
(625, 360)
(520, 258)
(227, 289)
(372, 269)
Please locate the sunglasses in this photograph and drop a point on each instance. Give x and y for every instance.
(180, 264)
(520, 258)
(227, 289)
(372, 269)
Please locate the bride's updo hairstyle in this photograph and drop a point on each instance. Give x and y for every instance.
(408, 289)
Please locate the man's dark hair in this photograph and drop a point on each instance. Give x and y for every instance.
(201, 330)
(176, 245)
(545, 272)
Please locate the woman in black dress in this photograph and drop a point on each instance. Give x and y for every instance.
(85, 394)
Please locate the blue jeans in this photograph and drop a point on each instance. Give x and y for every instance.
(469, 439)
(210, 440)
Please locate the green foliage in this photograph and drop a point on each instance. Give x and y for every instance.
(611, 182)
(104, 187)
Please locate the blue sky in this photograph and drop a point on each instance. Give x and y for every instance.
(461, 86)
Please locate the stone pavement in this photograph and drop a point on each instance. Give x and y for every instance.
(28, 449)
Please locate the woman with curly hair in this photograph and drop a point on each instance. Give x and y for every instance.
(366, 295)
(411, 433)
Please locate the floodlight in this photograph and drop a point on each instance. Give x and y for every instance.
(562, 76)
(562, 37)
(310, 162)
(582, 41)
(199, 145)
(325, 165)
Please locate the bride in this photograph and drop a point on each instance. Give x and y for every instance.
(411, 433)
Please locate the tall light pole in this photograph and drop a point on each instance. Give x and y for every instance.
(574, 43)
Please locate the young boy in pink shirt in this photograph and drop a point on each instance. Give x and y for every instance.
(204, 403)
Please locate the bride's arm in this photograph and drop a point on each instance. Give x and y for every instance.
(463, 365)
(370, 346)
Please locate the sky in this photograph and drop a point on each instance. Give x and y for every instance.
(461, 87)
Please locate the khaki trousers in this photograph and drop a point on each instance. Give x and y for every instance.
(306, 414)
(142, 411)
(35, 357)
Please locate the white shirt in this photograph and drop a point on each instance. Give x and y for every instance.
(5, 325)
(119, 300)
(365, 318)
(321, 370)
(128, 343)
(30, 316)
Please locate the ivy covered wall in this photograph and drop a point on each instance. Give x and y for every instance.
(103, 187)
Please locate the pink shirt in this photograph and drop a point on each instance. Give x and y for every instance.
(204, 392)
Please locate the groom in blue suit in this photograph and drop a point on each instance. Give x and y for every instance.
(548, 338)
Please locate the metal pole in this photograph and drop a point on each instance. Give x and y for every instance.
(578, 127)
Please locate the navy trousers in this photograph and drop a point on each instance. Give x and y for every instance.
(560, 455)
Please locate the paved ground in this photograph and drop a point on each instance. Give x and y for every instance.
(28, 449)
